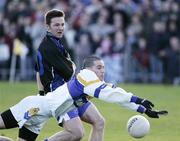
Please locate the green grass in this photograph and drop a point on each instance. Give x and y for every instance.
(166, 128)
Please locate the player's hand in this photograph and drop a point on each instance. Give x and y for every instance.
(147, 104)
(155, 114)
(41, 93)
(144, 102)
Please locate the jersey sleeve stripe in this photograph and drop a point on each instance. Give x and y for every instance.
(39, 60)
(75, 88)
(98, 90)
(84, 82)
(141, 109)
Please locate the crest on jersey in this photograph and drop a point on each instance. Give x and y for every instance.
(31, 112)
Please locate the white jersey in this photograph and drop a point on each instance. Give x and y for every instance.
(33, 111)
(88, 83)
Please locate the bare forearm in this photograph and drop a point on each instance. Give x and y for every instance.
(39, 84)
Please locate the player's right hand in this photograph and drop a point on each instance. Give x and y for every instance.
(41, 93)
(155, 114)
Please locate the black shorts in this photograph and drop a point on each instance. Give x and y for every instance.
(10, 122)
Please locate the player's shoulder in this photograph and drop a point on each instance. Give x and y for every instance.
(86, 76)
(47, 45)
(43, 44)
(111, 85)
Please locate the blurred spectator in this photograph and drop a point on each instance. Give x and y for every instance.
(2, 4)
(82, 50)
(105, 46)
(1, 25)
(171, 58)
(141, 61)
(118, 21)
(119, 43)
(157, 41)
(36, 29)
(110, 28)
(4, 58)
(112, 53)
(101, 26)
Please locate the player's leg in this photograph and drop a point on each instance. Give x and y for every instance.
(2, 125)
(3, 138)
(23, 112)
(73, 128)
(26, 134)
(7, 121)
(92, 116)
(73, 131)
(35, 115)
(8, 118)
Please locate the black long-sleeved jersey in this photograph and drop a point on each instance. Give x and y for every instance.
(53, 63)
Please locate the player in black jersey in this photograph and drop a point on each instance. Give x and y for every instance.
(54, 68)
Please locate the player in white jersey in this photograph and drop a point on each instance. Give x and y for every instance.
(33, 111)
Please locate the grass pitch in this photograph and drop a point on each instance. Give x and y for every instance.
(167, 128)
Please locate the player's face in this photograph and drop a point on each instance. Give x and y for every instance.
(98, 68)
(56, 26)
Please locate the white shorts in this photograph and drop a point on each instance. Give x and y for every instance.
(31, 112)
(77, 112)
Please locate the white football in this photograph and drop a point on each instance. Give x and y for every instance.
(138, 126)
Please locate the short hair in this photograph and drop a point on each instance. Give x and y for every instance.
(89, 61)
(52, 14)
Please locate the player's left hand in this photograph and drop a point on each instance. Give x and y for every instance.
(144, 102)
(147, 104)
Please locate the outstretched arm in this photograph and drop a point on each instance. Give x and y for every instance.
(119, 96)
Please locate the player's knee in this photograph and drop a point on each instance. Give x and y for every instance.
(77, 134)
(99, 123)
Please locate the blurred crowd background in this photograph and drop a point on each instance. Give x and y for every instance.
(139, 40)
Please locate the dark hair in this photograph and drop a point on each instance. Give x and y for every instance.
(53, 13)
(89, 61)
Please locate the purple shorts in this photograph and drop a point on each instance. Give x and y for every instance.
(78, 112)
